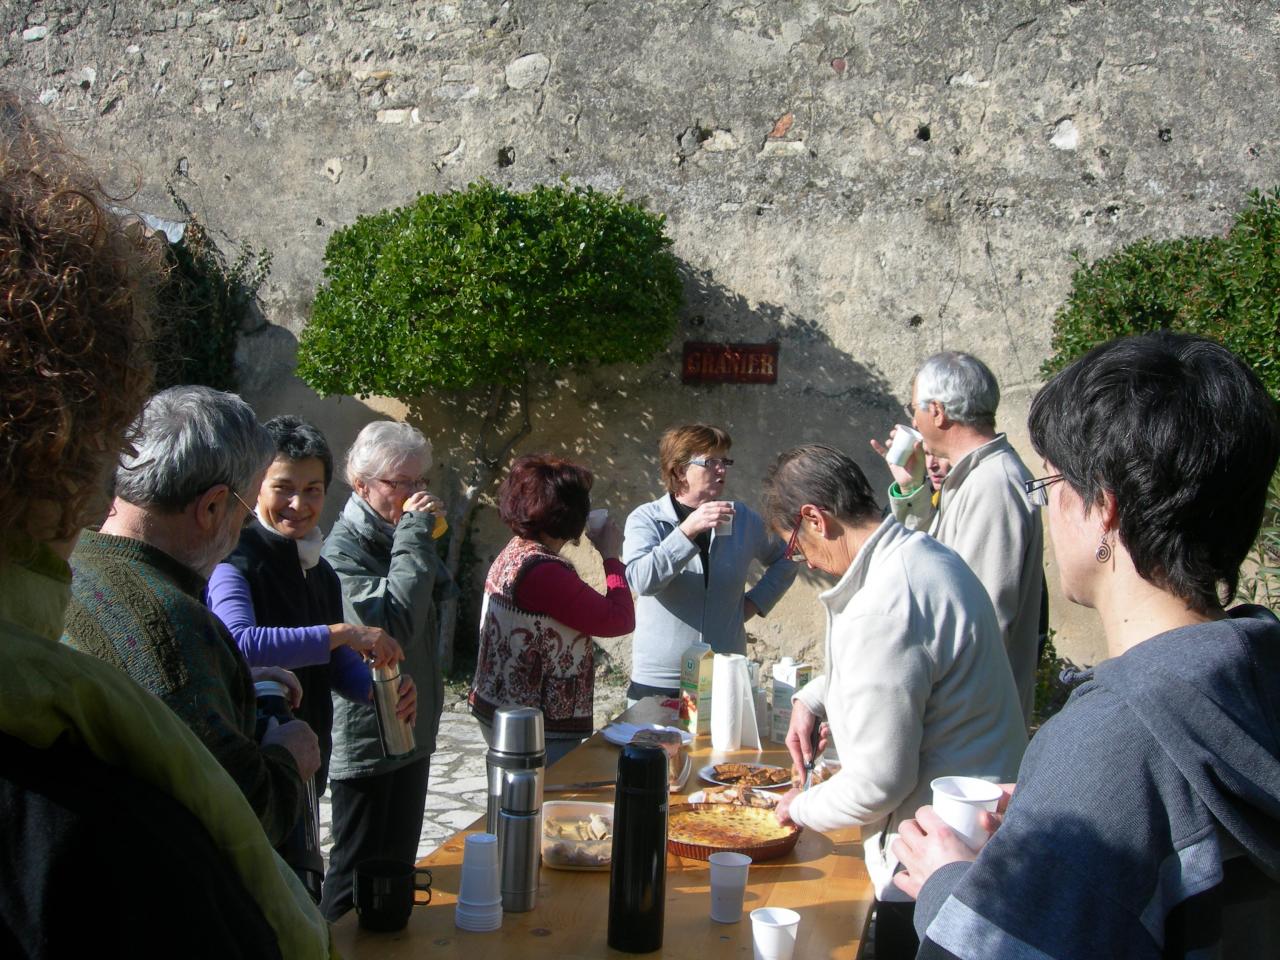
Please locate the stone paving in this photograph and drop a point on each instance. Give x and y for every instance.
(456, 794)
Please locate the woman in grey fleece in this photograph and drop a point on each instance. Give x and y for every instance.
(1146, 818)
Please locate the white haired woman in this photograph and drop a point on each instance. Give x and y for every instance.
(381, 548)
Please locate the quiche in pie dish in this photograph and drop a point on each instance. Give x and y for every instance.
(698, 830)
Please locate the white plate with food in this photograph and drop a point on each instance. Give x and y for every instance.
(764, 776)
(744, 796)
(577, 835)
(620, 734)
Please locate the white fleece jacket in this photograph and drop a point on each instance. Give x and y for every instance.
(918, 686)
(984, 516)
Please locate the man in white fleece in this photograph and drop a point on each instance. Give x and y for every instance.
(982, 513)
(917, 683)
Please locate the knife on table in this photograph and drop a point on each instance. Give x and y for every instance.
(572, 787)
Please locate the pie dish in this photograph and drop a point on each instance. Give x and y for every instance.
(697, 830)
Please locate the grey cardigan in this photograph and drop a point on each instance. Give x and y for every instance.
(388, 575)
(676, 605)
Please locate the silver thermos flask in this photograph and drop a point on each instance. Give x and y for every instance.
(520, 839)
(396, 734)
(517, 744)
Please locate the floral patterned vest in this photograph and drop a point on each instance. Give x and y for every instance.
(529, 659)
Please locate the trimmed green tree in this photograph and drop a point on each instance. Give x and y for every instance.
(484, 292)
(1226, 288)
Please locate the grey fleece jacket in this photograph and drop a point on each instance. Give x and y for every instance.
(676, 606)
(389, 577)
(984, 516)
(1146, 822)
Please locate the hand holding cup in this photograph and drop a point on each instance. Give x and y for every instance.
(604, 534)
(904, 455)
(713, 513)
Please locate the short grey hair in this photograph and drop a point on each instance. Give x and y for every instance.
(383, 444)
(188, 439)
(823, 476)
(963, 384)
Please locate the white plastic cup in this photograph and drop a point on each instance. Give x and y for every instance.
(728, 886)
(773, 933)
(959, 800)
(596, 520)
(725, 527)
(480, 887)
(904, 441)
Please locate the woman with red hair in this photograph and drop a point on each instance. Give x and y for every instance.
(539, 617)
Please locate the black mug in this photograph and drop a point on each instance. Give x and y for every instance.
(386, 893)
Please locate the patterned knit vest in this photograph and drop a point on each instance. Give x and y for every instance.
(530, 659)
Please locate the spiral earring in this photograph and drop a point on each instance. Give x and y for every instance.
(1103, 553)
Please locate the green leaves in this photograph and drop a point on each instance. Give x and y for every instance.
(1226, 288)
(477, 286)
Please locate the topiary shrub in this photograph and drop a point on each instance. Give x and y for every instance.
(483, 289)
(1226, 288)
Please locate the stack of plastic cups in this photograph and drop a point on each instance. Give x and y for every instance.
(480, 895)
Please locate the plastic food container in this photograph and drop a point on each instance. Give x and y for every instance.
(568, 852)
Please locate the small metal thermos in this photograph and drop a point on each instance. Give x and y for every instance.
(520, 839)
(517, 744)
(396, 734)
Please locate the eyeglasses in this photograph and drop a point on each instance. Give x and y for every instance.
(910, 410)
(250, 514)
(711, 463)
(408, 486)
(1038, 489)
(793, 552)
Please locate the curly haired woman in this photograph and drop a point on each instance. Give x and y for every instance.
(95, 773)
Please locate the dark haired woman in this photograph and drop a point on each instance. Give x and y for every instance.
(1146, 819)
(539, 616)
(280, 598)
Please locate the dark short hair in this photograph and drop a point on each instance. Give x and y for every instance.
(545, 495)
(820, 475)
(1185, 437)
(678, 444)
(298, 440)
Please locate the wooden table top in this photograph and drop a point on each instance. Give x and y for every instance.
(823, 878)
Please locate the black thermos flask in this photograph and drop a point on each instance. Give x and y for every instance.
(638, 872)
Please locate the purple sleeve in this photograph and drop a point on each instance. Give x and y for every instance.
(350, 675)
(228, 597)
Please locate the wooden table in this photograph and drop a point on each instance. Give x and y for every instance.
(824, 879)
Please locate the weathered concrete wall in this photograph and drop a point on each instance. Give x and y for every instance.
(865, 182)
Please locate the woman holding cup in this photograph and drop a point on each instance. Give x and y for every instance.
(539, 616)
(688, 555)
(1146, 820)
(383, 551)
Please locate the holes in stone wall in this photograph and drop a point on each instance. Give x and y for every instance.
(923, 132)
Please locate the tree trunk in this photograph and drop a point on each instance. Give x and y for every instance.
(484, 469)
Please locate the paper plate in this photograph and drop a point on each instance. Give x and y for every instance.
(620, 733)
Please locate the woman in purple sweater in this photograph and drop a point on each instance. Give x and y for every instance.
(282, 601)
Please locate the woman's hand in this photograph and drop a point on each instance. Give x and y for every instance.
(607, 540)
(407, 705)
(423, 502)
(800, 734)
(924, 845)
(373, 643)
(708, 515)
(280, 675)
(783, 810)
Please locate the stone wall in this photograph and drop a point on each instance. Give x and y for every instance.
(865, 182)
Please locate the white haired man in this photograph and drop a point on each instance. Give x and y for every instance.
(982, 513)
(136, 591)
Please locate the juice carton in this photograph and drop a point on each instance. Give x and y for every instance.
(695, 688)
(788, 677)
